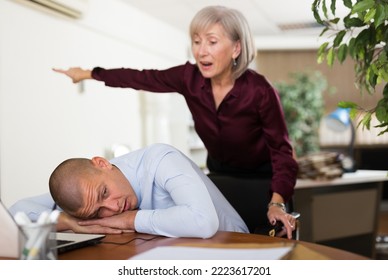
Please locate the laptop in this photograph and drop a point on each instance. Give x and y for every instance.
(67, 241)
(12, 237)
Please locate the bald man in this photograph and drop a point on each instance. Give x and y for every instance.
(155, 190)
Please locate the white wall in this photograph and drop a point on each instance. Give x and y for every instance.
(44, 118)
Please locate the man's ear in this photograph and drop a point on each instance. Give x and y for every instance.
(101, 162)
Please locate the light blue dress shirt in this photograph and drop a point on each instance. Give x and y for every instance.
(176, 198)
(33, 206)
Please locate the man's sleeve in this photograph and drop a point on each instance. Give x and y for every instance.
(33, 206)
(193, 213)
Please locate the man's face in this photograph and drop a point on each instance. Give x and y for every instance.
(106, 194)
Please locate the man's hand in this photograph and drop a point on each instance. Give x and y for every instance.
(67, 222)
(124, 221)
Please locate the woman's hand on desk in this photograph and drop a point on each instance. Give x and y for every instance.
(278, 214)
(67, 222)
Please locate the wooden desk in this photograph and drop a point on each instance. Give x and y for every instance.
(343, 212)
(106, 251)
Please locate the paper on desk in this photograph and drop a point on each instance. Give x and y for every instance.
(202, 253)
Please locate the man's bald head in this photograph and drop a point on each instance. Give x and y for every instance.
(65, 183)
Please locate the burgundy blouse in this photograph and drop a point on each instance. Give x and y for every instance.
(246, 131)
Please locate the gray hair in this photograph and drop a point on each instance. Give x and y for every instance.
(236, 28)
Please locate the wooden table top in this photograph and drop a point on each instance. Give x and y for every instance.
(127, 245)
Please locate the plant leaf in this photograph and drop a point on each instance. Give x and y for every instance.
(321, 52)
(323, 31)
(362, 6)
(351, 47)
(347, 104)
(353, 113)
(338, 38)
(369, 15)
(324, 8)
(317, 16)
(371, 76)
(382, 132)
(353, 22)
(332, 6)
(383, 73)
(334, 20)
(330, 57)
(381, 125)
(381, 113)
(385, 91)
(366, 120)
(348, 3)
(379, 16)
(342, 52)
(362, 39)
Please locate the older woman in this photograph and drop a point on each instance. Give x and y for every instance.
(236, 111)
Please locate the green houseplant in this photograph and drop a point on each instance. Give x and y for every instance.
(362, 35)
(303, 105)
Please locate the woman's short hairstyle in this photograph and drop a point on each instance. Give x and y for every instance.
(235, 26)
